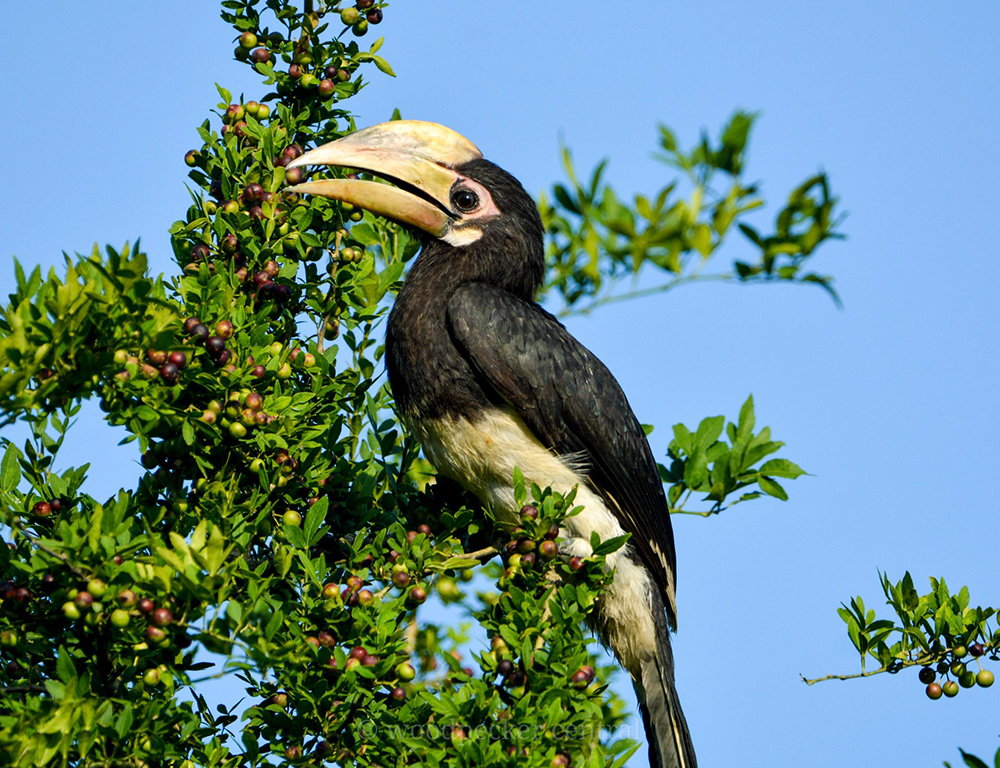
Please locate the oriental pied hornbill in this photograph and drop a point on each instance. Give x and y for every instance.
(488, 381)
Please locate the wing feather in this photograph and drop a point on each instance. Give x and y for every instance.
(573, 405)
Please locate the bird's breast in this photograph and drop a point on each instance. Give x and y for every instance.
(482, 451)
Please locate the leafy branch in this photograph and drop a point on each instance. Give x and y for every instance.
(702, 463)
(935, 631)
(596, 240)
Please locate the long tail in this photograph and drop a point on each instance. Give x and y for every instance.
(666, 729)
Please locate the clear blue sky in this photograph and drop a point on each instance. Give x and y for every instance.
(891, 403)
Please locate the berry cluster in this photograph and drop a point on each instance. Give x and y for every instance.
(954, 667)
(358, 18)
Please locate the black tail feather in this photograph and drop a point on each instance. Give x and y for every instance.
(666, 729)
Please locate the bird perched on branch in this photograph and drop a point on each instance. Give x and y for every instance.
(488, 381)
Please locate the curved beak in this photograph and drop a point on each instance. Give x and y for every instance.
(418, 156)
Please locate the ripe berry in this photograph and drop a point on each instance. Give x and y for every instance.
(326, 89)
(505, 667)
(260, 56)
(258, 371)
(15, 671)
(156, 357)
(294, 752)
(560, 760)
(984, 678)
(252, 192)
(224, 329)
(126, 598)
(927, 676)
(215, 346)
(529, 512)
(976, 650)
(177, 359)
(374, 16)
(145, 605)
(365, 4)
(84, 600)
(162, 617)
(42, 509)
(398, 694)
(418, 595)
(169, 373)
(576, 563)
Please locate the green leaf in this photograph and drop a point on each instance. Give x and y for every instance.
(910, 598)
(972, 761)
(771, 488)
(315, 517)
(10, 470)
(781, 468)
(383, 65)
(709, 430)
(64, 666)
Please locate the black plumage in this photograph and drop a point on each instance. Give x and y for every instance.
(573, 405)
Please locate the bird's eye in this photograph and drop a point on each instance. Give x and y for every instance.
(465, 200)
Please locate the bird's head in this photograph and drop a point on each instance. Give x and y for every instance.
(473, 210)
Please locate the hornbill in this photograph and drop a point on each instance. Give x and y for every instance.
(488, 381)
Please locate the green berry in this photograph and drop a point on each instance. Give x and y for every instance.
(248, 40)
(120, 618)
(360, 29)
(237, 430)
(967, 679)
(984, 678)
(151, 676)
(350, 16)
(950, 689)
(292, 518)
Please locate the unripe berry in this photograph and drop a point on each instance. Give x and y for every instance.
(248, 40)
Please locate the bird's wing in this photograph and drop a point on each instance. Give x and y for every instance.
(573, 405)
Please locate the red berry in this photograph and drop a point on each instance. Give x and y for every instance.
(42, 509)
(326, 89)
(156, 357)
(178, 359)
(418, 595)
(260, 55)
(375, 16)
(358, 652)
(398, 694)
(576, 563)
(162, 617)
(146, 605)
(190, 323)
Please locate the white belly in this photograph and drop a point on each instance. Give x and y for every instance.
(481, 456)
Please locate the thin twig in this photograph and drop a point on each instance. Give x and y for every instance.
(640, 294)
(482, 555)
(23, 689)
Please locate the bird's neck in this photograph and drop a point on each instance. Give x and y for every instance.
(429, 375)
